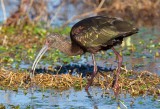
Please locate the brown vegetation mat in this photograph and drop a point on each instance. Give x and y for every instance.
(134, 83)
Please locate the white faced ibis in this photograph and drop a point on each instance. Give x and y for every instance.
(91, 35)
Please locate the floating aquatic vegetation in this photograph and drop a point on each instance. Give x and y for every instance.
(134, 83)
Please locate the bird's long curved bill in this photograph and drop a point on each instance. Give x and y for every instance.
(39, 56)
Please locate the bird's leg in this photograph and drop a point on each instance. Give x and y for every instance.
(115, 81)
(93, 74)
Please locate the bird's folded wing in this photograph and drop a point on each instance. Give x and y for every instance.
(94, 37)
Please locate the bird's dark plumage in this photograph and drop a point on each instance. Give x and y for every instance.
(100, 33)
(91, 35)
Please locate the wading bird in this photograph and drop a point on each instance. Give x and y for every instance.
(91, 35)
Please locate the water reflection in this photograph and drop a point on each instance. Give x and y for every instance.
(92, 100)
(7, 97)
(96, 98)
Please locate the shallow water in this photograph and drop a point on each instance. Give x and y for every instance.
(71, 99)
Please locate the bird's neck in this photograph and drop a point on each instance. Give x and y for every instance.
(68, 48)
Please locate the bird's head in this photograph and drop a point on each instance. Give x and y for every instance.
(53, 41)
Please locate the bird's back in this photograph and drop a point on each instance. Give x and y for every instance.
(100, 33)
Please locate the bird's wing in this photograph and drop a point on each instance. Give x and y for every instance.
(95, 36)
(99, 31)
